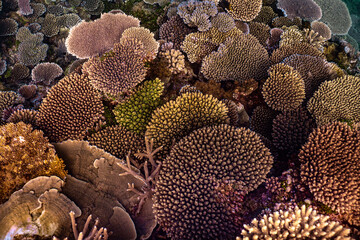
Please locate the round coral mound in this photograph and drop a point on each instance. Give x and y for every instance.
(185, 205)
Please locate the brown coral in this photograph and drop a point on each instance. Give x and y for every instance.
(71, 108)
(261, 31)
(284, 90)
(244, 10)
(330, 165)
(23, 115)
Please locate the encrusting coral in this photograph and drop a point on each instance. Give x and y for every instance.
(184, 203)
(330, 166)
(25, 154)
(71, 108)
(295, 223)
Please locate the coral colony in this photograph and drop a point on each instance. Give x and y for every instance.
(181, 119)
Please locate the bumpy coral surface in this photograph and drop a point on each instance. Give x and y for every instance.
(244, 10)
(336, 100)
(330, 165)
(185, 205)
(295, 223)
(25, 154)
(71, 108)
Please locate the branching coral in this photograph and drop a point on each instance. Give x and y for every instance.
(243, 57)
(261, 31)
(88, 39)
(7, 99)
(261, 120)
(25, 154)
(244, 10)
(266, 15)
(8, 27)
(70, 109)
(46, 73)
(322, 29)
(330, 165)
(23, 115)
(336, 100)
(223, 22)
(185, 206)
(284, 90)
(178, 118)
(135, 113)
(120, 69)
(295, 223)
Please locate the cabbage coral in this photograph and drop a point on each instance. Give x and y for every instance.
(185, 203)
(25, 154)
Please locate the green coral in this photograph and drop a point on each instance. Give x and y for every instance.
(135, 113)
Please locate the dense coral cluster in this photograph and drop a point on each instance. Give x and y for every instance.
(25, 154)
(71, 108)
(244, 10)
(184, 203)
(330, 166)
(46, 73)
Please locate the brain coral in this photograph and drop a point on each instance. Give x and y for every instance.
(184, 200)
(330, 166)
(120, 69)
(135, 113)
(336, 100)
(305, 9)
(88, 39)
(70, 109)
(284, 90)
(314, 70)
(244, 10)
(178, 118)
(25, 154)
(295, 223)
(243, 57)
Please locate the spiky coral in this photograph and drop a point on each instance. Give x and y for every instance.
(25, 154)
(135, 112)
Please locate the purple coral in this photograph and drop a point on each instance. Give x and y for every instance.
(305, 9)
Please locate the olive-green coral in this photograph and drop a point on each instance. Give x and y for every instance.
(178, 118)
(135, 113)
(25, 154)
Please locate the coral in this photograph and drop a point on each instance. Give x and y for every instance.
(38, 10)
(336, 100)
(261, 31)
(37, 211)
(23, 115)
(197, 13)
(291, 129)
(7, 99)
(88, 39)
(8, 27)
(34, 27)
(266, 15)
(135, 113)
(322, 29)
(146, 37)
(275, 36)
(120, 69)
(178, 118)
(174, 59)
(184, 201)
(56, 10)
(50, 26)
(3, 67)
(284, 21)
(117, 141)
(243, 57)
(244, 10)
(336, 15)
(294, 223)
(24, 7)
(27, 91)
(199, 44)
(46, 73)
(306, 9)
(71, 108)
(295, 48)
(25, 154)
(330, 166)
(262, 119)
(284, 90)
(314, 70)
(174, 30)
(68, 20)
(19, 72)
(223, 22)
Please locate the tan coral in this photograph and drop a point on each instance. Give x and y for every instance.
(244, 10)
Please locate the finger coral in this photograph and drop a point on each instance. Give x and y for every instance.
(244, 10)
(88, 39)
(306, 9)
(120, 69)
(178, 118)
(336, 100)
(295, 223)
(284, 90)
(330, 166)
(185, 205)
(135, 113)
(25, 154)
(243, 57)
(71, 108)
(23, 115)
